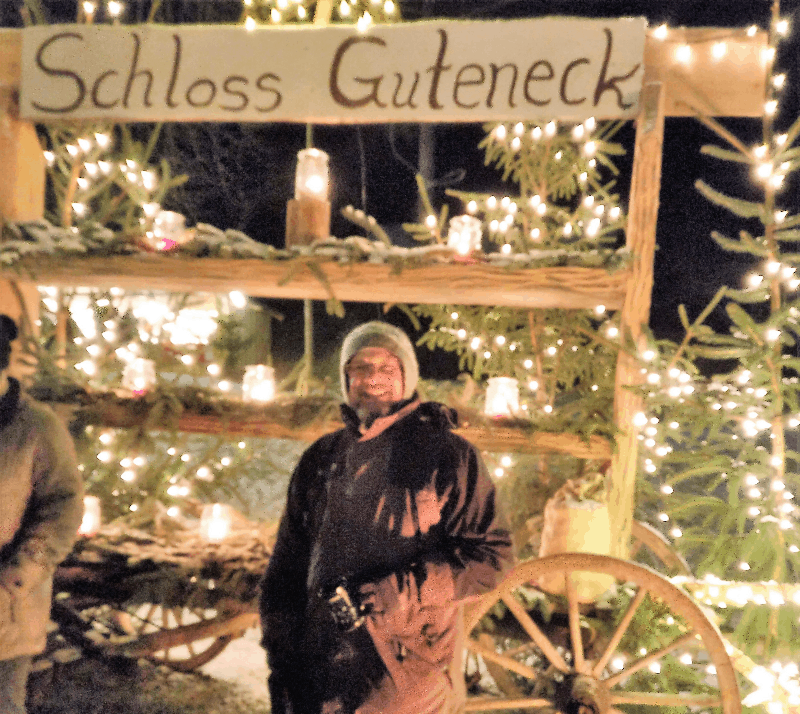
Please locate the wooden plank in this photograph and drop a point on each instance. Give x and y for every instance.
(10, 58)
(641, 240)
(22, 183)
(308, 422)
(730, 86)
(450, 283)
(733, 84)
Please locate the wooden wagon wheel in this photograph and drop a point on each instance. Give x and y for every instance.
(655, 550)
(179, 637)
(526, 663)
(193, 652)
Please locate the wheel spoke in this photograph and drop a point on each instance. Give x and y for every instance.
(503, 660)
(666, 700)
(539, 638)
(483, 704)
(145, 621)
(574, 624)
(619, 632)
(649, 659)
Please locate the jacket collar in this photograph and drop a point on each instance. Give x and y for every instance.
(438, 415)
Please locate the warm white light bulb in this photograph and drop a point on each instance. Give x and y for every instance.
(683, 54)
(660, 33)
(718, 50)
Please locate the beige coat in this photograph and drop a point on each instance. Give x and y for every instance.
(41, 505)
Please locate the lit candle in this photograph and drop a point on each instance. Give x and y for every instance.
(169, 229)
(215, 522)
(139, 375)
(464, 234)
(311, 179)
(258, 384)
(91, 516)
(502, 397)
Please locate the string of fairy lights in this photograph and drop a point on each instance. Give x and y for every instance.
(745, 399)
(362, 13)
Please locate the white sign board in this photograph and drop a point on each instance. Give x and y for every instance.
(432, 71)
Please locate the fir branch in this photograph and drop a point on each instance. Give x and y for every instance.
(745, 244)
(691, 330)
(725, 154)
(719, 130)
(737, 206)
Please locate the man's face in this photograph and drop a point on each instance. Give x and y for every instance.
(375, 381)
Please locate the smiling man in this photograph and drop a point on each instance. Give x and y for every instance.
(390, 525)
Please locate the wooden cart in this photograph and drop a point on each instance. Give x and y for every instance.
(177, 600)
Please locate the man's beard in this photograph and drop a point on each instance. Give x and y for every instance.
(368, 410)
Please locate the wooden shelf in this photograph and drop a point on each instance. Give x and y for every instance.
(448, 283)
(307, 419)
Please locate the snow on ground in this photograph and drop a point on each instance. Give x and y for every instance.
(242, 663)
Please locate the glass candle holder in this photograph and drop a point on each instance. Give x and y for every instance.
(311, 179)
(464, 234)
(169, 229)
(258, 384)
(139, 375)
(216, 521)
(502, 397)
(91, 521)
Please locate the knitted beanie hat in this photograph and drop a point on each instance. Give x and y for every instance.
(8, 333)
(381, 334)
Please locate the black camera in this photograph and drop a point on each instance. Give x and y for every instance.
(345, 609)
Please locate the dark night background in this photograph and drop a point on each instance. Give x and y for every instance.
(242, 175)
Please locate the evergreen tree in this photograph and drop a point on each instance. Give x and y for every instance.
(718, 457)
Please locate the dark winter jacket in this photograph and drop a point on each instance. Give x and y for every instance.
(40, 511)
(404, 516)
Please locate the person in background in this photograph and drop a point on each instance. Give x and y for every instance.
(390, 525)
(41, 506)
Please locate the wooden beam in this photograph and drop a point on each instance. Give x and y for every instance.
(447, 283)
(22, 181)
(707, 81)
(641, 241)
(307, 419)
(731, 85)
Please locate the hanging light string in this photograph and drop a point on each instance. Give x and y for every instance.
(362, 13)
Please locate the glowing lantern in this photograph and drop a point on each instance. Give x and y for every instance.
(91, 516)
(169, 230)
(311, 179)
(502, 397)
(216, 520)
(259, 383)
(139, 375)
(464, 234)
(308, 215)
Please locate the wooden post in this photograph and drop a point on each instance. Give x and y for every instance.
(641, 241)
(22, 181)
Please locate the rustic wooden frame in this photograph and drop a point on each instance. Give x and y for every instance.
(731, 86)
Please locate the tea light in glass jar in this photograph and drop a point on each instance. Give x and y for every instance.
(464, 234)
(311, 179)
(169, 229)
(91, 516)
(258, 384)
(139, 375)
(216, 520)
(502, 397)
